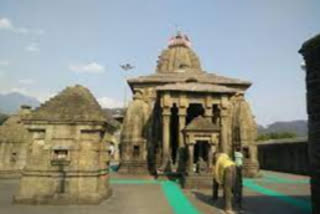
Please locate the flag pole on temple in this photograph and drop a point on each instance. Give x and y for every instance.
(125, 68)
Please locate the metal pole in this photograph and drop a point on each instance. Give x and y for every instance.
(125, 91)
(125, 68)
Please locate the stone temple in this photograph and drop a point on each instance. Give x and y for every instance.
(180, 115)
(67, 161)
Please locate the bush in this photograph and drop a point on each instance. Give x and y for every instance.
(276, 135)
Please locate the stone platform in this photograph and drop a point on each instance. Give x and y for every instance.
(133, 167)
(195, 181)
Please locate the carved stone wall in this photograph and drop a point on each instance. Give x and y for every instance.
(83, 177)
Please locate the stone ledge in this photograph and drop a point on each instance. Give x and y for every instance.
(62, 199)
(67, 173)
(197, 181)
(134, 167)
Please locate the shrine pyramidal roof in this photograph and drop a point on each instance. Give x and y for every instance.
(73, 104)
(201, 123)
(179, 63)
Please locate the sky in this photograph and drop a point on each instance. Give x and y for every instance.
(46, 46)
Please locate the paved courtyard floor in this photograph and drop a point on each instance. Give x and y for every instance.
(274, 193)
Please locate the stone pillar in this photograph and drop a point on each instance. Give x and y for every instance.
(166, 112)
(212, 149)
(224, 132)
(182, 114)
(182, 123)
(190, 151)
(208, 113)
(208, 108)
(311, 53)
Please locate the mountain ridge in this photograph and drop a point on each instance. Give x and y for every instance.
(299, 127)
(11, 102)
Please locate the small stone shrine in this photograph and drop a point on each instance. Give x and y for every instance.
(67, 161)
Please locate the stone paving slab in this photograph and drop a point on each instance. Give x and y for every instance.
(126, 198)
(254, 203)
(275, 193)
(284, 193)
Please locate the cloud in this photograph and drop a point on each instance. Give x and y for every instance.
(92, 67)
(45, 97)
(107, 102)
(26, 81)
(2, 73)
(4, 63)
(33, 47)
(6, 24)
(18, 90)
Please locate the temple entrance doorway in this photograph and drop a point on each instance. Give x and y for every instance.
(194, 111)
(201, 150)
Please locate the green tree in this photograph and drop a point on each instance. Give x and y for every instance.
(276, 135)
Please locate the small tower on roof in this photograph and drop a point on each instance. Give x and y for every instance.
(178, 57)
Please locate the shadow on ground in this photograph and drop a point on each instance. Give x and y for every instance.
(260, 204)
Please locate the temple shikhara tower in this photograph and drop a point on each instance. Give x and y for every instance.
(67, 161)
(180, 115)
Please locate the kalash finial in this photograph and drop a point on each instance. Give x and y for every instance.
(179, 40)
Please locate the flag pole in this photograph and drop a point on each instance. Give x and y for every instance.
(125, 68)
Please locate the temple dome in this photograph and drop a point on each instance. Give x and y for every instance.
(178, 57)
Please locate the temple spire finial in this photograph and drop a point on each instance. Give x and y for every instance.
(179, 39)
